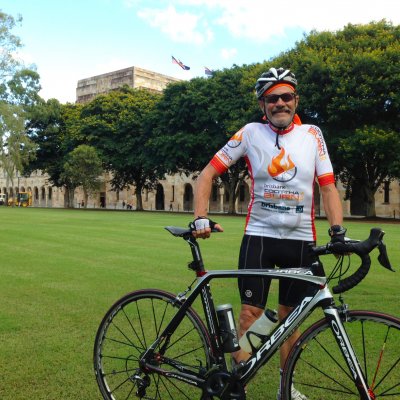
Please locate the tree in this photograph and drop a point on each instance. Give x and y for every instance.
(55, 130)
(19, 87)
(114, 123)
(8, 44)
(348, 82)
(374, 154)
(83, 168)
(194, 119)
(18, 84)
(16, 150)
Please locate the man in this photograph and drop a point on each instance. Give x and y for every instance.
(284, 158)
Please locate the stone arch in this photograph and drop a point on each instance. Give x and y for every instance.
(36, 196)
(160, 197)
(243, 198)
(215, 198)
(188, 197)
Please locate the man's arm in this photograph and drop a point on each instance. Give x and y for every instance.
(332, 204)
(202, 196)
(203, 190)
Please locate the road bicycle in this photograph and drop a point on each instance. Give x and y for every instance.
(152, 344)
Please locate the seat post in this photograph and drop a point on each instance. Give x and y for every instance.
(197, 263)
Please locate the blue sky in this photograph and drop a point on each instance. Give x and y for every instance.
(76, 39)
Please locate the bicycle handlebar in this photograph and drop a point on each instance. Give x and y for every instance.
(362, 249)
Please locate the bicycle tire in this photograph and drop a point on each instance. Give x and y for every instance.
(128, 328)
(318, 370)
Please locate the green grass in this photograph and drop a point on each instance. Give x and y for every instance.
(61, 270)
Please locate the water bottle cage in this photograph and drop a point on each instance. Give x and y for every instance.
(259, 336)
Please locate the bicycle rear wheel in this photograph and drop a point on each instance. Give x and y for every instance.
(129, 327)
(318, 370)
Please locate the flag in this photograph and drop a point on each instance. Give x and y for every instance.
(180, 63)
(208, 71)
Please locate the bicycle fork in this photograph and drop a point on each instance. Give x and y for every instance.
(332, 314)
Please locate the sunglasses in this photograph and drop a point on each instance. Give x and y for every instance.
(274, 98)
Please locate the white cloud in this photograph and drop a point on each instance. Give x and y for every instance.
(228, 53)
(260, 20)
(179, 26)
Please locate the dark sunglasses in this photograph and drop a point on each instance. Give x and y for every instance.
(274, 98)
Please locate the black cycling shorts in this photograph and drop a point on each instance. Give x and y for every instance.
(257, 252)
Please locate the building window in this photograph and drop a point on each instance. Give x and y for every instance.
(173, 193)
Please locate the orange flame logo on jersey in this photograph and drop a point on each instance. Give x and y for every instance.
(280, 164)
(236, 139)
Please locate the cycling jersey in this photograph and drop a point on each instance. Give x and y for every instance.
(282, 177)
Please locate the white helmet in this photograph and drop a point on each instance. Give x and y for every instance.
(273, 77)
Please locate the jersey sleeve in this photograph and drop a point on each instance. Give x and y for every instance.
(324, 169)
(231, 152)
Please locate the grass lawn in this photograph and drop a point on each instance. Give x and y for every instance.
(61, 270)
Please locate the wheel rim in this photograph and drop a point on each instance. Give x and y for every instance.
(128, 329)
(320, 372)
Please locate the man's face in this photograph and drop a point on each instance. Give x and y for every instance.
(280, 112)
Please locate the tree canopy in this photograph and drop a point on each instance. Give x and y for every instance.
(349, 84)
(19, 87)
(115, 124)
(83, 168)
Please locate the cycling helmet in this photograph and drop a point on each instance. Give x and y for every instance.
(273, 77)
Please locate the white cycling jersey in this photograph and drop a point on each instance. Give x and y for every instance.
(282, 178)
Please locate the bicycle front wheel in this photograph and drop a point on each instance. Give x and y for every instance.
(131, 325)
(317, 369)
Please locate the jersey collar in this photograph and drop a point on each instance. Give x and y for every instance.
(281, 131)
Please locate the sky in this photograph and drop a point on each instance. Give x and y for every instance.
(69, 40)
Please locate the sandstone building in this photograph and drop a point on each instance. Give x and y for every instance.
(133, 77)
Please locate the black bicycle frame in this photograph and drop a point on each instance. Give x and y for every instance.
(320, 297)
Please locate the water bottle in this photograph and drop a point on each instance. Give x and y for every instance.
(260, 327)
(227, 328)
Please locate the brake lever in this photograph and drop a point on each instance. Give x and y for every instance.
(383, 256)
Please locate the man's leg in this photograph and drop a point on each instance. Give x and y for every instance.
(283, 311)
(248, 314)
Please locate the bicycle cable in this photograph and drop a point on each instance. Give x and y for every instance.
(338, 270)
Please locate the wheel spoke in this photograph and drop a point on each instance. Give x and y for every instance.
(135, 322)
(319, 370)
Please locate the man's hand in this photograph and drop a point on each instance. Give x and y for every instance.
(202, 226)
(337, 233)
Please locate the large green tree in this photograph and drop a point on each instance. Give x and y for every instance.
(54, 128)
(115, 123)
(194, 119)
(349, 83)
(83, 167)
(19, 87)
(16, 150)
